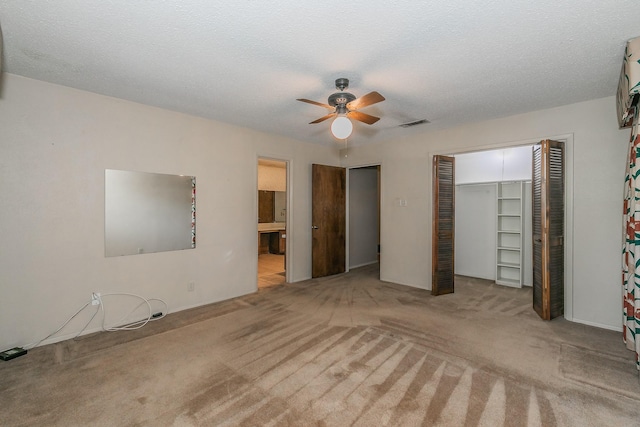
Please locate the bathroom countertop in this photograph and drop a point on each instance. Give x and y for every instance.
(271, 226)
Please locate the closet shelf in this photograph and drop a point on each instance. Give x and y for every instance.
(508, 264)
(509, 282)
(509, 226)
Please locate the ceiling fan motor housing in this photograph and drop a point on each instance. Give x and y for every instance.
(341, 98)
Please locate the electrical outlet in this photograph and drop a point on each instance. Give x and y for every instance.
(95, 298)
(191, 286)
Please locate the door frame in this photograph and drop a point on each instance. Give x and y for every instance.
(347, 213)
(289, 254)
(567, 139)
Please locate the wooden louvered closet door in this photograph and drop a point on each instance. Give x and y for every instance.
(443, 225)
(548, 229)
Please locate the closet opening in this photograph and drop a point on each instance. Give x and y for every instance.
(547, 247)
(551, 236)
(493, 216)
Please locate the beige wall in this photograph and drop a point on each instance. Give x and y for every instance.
(598, 150)
(55, 144)
(271, 178)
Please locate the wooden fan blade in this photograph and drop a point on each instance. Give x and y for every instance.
(322, 119)
(362, 117)
(364, 101)
(320, 104)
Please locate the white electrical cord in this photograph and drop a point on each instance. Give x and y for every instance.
(133, 325)
(127, 327)
(87, 324)
(29, 347)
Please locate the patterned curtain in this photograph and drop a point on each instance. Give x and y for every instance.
(631, 248)
(627, 95)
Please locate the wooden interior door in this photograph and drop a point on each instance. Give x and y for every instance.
(548, 229)
(328, 219)
(443, 225)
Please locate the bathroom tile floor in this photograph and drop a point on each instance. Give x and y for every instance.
(270, 270)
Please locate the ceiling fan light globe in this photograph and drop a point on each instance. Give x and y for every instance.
(341, 127)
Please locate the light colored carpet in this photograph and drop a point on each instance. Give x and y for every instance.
(344, 350)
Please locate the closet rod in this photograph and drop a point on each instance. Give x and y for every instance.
(491, 182)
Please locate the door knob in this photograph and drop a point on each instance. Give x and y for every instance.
(314, 227)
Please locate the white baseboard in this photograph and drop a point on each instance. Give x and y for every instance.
(597, 325)
(363, 264)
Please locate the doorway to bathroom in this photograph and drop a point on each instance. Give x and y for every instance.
(272, 222)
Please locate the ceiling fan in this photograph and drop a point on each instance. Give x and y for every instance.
(344, 106)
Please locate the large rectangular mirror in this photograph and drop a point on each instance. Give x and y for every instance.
(272, 206)
(148, 212)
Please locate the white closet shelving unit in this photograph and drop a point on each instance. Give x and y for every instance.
(509, 227)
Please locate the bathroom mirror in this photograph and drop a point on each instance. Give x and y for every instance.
(280, 206)
(148, 212)
(272, 206)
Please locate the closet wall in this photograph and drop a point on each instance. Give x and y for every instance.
(475, 233)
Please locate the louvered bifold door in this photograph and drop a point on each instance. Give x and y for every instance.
(548, 229)
(536, 191)
(443, 225)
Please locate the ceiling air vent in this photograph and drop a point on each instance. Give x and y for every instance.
(415, 123)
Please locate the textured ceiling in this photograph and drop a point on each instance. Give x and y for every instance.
(245, 62)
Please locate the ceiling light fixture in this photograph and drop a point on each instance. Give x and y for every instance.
(341, 127)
